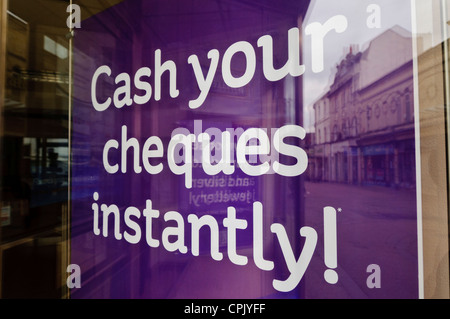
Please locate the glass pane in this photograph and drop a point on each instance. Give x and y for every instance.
(432, 45)
(224, 149)
(34, 161)
(323, 141)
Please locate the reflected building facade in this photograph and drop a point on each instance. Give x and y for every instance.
(364, 123)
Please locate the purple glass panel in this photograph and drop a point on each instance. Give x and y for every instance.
(308, 185)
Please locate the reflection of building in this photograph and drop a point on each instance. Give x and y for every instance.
(364, 124)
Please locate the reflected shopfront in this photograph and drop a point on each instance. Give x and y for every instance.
(34, 183)
(224, 149)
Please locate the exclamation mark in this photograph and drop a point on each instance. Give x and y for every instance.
(330, 244)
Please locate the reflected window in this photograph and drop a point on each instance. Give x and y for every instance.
(344, 129)
(408, 108)
(335, 133)
(55, 48)
(354, 127)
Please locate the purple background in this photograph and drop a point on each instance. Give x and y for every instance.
(377, 224)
